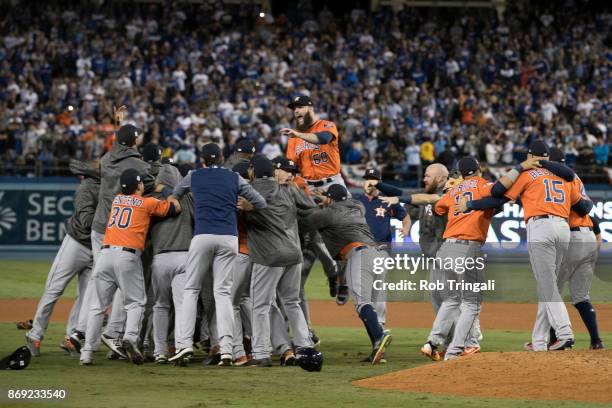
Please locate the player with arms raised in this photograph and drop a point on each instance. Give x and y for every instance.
(313, 145)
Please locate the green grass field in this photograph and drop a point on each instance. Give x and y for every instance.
(118, 384)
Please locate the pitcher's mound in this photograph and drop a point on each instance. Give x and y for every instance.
(583, 375)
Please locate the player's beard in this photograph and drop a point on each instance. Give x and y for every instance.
(307, 122)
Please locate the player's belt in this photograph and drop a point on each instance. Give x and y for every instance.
(319, 183)
(585, 229)
(126, 249)
(542, 217)
(461, 241)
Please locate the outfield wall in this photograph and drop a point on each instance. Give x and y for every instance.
(32, 215)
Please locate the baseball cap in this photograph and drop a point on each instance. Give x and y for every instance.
(285, 164)
(468, 166)
(336, 192)
(556, 155)
(151, 152)
(127, 134)
(211, 151)
(244, 145)
(372, 174)
(242, 168)
(129, 181)
(538, 148)
(262, 167)
(300, 100)
(18, 360)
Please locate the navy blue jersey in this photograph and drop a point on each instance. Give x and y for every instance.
(378, 216)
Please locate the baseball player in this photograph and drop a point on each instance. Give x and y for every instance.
(579, 263)
(119, 264)
(547, 200)
(313, 145)
(244, 149)
(347, 236)
(464, 236)
(170, 239)
(74, 258)
(274, 250)
(213, 249)
(121, 157)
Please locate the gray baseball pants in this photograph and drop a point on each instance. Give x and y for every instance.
(241, 300)
(548, 241)
(168, 284)
(266, 283)
(73, 258)
(210, 256)
(459, 308)
(116, 268)
(578, 265)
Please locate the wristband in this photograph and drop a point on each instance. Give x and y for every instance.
(408, 200)
(518, 168)
(469, 205)
(513, 175)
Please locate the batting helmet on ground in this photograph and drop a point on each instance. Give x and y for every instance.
(309, 359)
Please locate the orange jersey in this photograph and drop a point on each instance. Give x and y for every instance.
(243, 248)
(470, 225)
(574, 219)
(543, 193)
(301, 183)
(316, 161)
(128, 222)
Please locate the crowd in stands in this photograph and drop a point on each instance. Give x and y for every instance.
(405, 88)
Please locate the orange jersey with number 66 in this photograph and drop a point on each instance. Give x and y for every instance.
(129, 219)
(316, 161)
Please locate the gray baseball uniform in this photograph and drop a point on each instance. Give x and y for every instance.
(241, 293)
(74, 257)
(579, 263)
(275, 252)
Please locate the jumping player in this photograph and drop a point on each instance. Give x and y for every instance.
(119, 265)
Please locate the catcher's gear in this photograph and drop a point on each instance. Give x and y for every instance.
(310, 359)
(18, 360)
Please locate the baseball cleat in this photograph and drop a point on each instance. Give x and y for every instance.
(528, 346)
(240, 361)
(67, 346)
(132, 351)
(288, 358)
(259, 362)
(115, 345)
(431, 351)
(369, 358)
(77, 339)
(561, 345)
(161, 359)
(86, 358)
(598, 345)
(316, 341)
(380, 346)
(181, 354)
(33, 346)
(24, 325)
(343, 295)
(449, 356)
(226, 360)
(468, 351)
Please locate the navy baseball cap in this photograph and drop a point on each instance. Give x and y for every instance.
(468, 166)
(129, 181)
(151, 152)
(127, 134)
(244, 145)
(538, 148)
(211, 151)
(557, 155)
(18, 360)
(262, 167)
(300, 100)
(336, 192)
(285, 164)
(242, 168)
(372, 174)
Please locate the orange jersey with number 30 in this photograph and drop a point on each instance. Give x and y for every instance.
(129, 219)
(470, 225)
(543, 193)
(316, 161)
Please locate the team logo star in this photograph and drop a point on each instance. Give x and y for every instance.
(380, 211)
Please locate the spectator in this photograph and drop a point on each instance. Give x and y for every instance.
(602, 152)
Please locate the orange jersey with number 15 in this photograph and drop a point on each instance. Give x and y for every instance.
(469, 225)
(543, 193)
(316, 161)
(129, 219)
